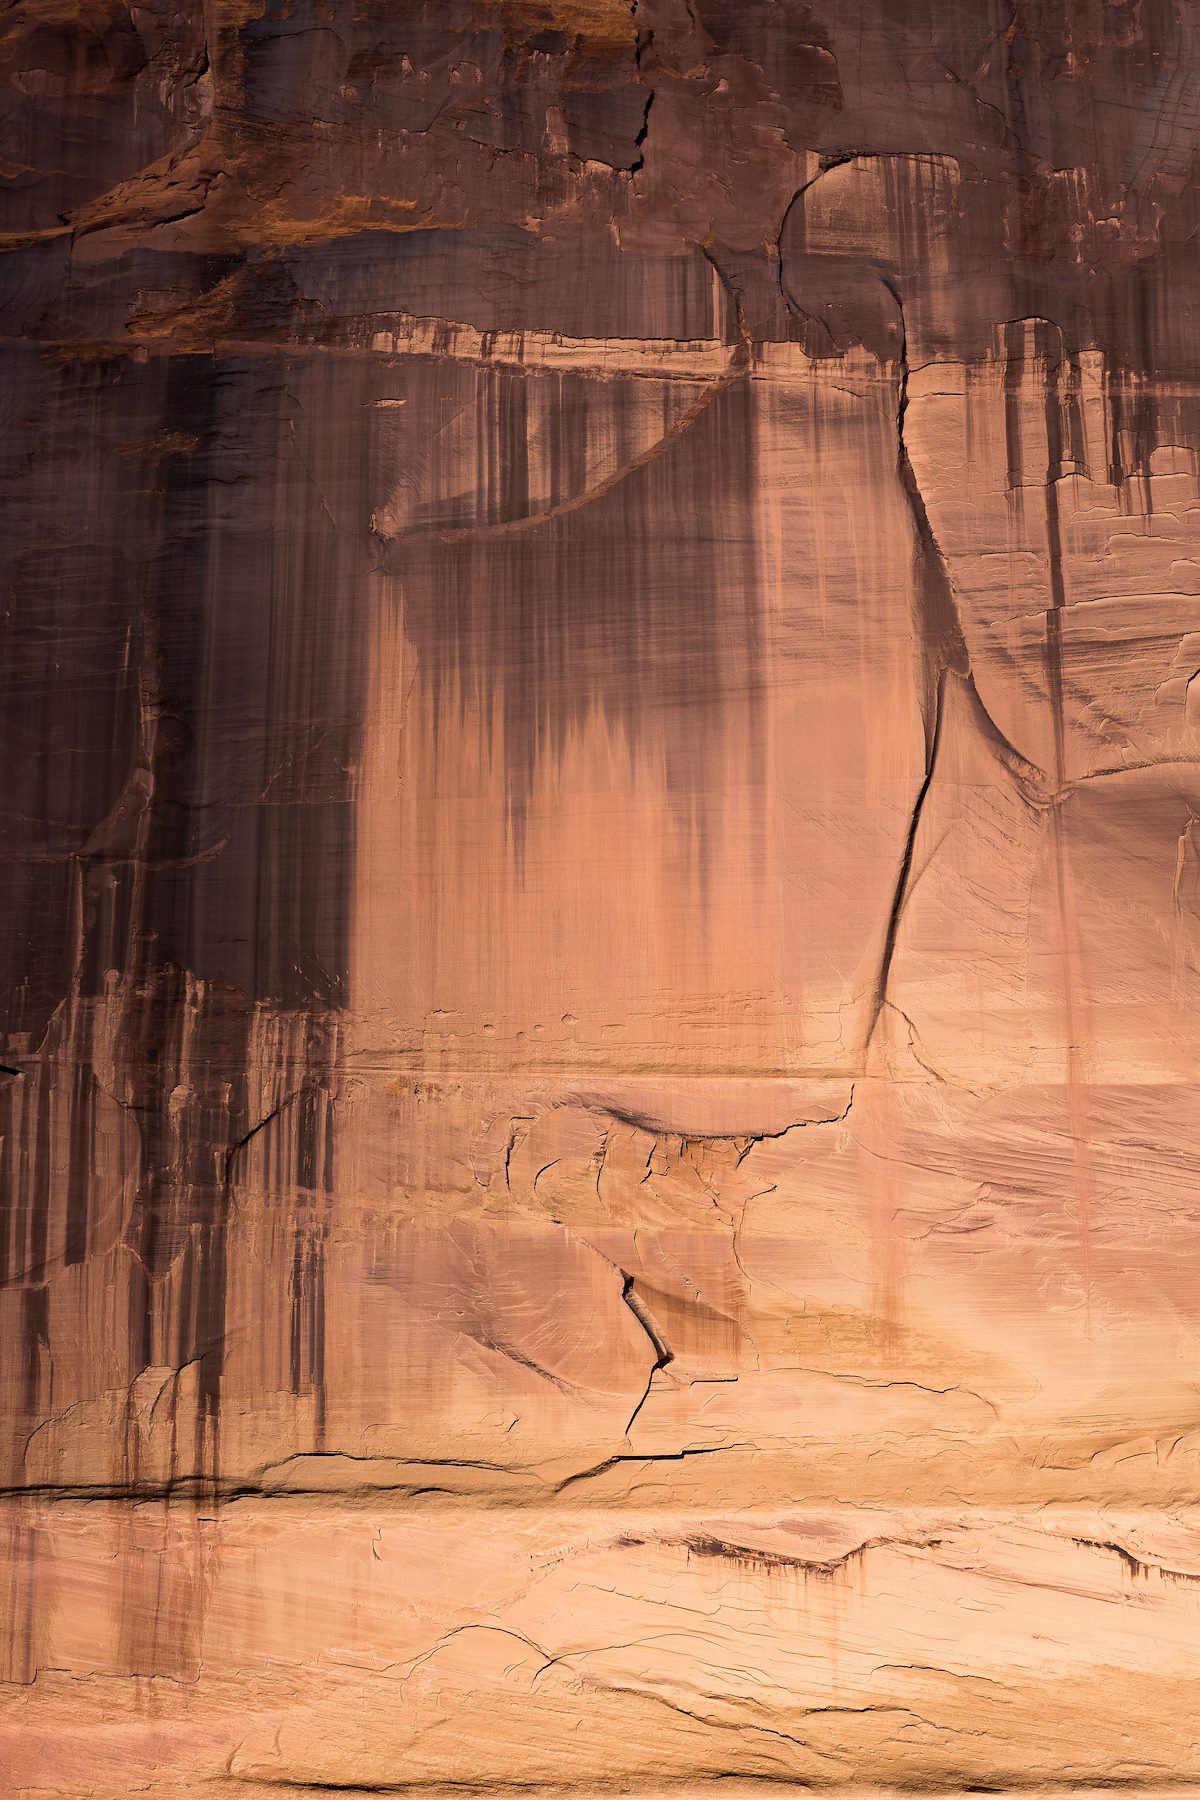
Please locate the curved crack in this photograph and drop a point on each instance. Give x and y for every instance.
(663, 1354)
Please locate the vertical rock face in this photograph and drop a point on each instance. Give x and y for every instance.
(601, 895)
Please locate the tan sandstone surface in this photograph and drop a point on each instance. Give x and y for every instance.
(601, 938)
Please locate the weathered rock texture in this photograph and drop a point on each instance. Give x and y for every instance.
(601, 910)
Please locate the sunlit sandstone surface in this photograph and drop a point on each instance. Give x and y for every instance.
(601, 918)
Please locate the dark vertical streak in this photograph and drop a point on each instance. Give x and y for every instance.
(81, 1141)
(1049, 364)
(35, 1335)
